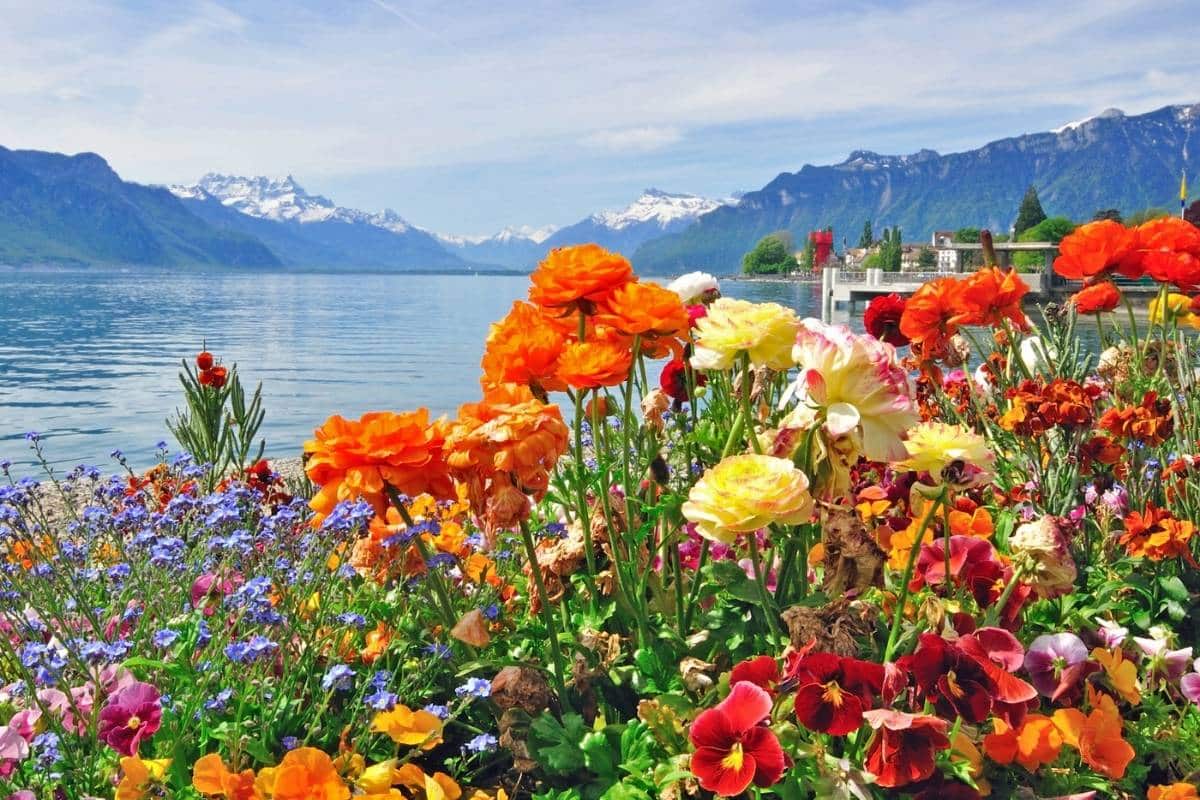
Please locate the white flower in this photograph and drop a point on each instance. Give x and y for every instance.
(1037, 354)
(693, 287)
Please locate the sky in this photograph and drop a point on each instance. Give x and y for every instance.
(466, 117)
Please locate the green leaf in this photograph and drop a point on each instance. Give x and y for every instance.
(557, 746)
(1174, 588)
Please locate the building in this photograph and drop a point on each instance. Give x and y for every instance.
(947, 258)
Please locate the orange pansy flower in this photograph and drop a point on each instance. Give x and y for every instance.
(408, 727)
(578, 277)
(1173, 791)
(1098, 735)
(1121, 672)
(978, 523)
(1037, 742)
(211, 777)
(305, 773)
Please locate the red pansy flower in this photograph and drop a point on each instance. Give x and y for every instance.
(834, 692)
(954, 682)
(733, 746)
(904, 746)
(973, 564)
(762, 671)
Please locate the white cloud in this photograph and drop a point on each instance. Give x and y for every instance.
(638, 140)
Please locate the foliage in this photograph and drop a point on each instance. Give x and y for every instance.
(927, 259)
(867, 238)
(1029, 213)
(1108, 213)
(771, 256)
(1051, 229)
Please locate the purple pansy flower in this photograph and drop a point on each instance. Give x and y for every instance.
(1057, 663)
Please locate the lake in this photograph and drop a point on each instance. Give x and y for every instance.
(90, 359)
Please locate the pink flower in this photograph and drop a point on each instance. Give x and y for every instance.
(13, 746)
(1057, 664)
(25, 723)
(132, 714)
(1171, 664)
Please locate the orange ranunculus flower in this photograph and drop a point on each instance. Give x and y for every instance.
(644, 309)
(1096, 298)
(503, 449)
(1156, 534)
(408, 727)
(524, 347)
(353, 459)
(510, 431)
(1173, 791)
(990, 296)
(305, 773)
(1169, 251)
(1097, 735)
(1097, 248)
(211, 777)
(930, 316)
(578, 277)
(592, 364)
(1036, 743)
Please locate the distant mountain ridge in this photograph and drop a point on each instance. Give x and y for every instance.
(1111, 160)
(59, 209)
(310, 230)
(654, 213)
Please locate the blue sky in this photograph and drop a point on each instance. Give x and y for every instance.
(466, 117)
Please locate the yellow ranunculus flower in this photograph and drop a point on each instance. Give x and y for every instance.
(1178, 307)
(764, 330)
(744, 493)
(933, 446)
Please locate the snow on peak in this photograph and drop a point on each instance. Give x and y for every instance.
(1108, 113)
(657, 206)
(509, 234)
(283, 200)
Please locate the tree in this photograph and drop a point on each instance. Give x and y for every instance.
(1030, 213)
(868, 236)
(771, 256)
(808, 255)
(1145, 215)
(927, 259)
(1107, 213)
(967, 236)
(1051, 229)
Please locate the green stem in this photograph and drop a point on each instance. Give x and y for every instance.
(747, 387)
(694, 594)
(445, 607)
(902, 595)
(546, 613)
(760, 580)
(589, 550)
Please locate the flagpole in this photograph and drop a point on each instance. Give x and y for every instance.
(1183, 194)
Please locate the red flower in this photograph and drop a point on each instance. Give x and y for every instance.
(973, 564)
(762, 671)
(733, 746)
(882, 319)
(131, 715)
(834, 691)
(1169, 251)
(674, 380)
(214, 377)
(696, 312)
(204, 360)
(953, 681)
(1098, 297)
(904, 747)
(990, 296)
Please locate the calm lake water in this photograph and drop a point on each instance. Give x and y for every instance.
(90, 359)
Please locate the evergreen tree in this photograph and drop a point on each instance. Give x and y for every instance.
(868, 236)
(808, 255)
(1107, 213)
(1030, 213)
(927, 259)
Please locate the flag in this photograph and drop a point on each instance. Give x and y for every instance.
(1182, 193)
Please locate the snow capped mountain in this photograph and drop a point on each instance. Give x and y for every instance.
(1108, 113)
(663, 208)
(510, 234)
(283, 200)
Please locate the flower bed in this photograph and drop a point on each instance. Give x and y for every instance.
(953, 557)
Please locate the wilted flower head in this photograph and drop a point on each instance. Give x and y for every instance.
(1041, 548)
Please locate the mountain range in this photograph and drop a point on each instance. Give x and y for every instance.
(75, 209)
(1111, 160)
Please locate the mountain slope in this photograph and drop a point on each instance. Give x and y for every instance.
(512, 247)
(1107, 161)
(310, 230)
(76, 209)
